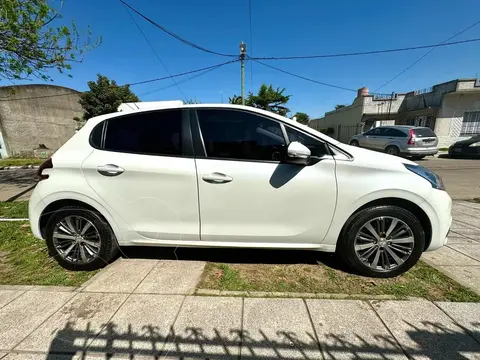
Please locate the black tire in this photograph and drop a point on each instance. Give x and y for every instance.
(346, 242)
(354, 143)
(108, 242)
(392, 150)
(419, 157)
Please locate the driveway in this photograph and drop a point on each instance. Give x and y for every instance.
(461, 176)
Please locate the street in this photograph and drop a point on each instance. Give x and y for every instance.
(461, 176)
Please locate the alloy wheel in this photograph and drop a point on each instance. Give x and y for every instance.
(384, 243)
(76, 239)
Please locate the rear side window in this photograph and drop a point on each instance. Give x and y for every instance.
(317, 148)
(96, 135)
(424, 132)
(394, 133)
(152, 133)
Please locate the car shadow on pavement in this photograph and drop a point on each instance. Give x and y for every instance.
(236, 255)
(431, 341)
(19, 177)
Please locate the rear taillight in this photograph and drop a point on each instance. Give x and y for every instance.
(411, 139)
(47, 164)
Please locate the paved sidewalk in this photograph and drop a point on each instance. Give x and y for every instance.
(63, 323)
(460, 259)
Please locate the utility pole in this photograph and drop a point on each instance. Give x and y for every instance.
(243, 52)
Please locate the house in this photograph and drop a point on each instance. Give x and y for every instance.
(34, 115)
(451, 109)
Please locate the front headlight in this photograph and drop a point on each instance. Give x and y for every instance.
(475, 144)
(428, 175)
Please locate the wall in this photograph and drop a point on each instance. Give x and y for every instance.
(450, 115)
(37, 114)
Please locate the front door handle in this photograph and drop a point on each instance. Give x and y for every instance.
(217, 178)
(110, 170)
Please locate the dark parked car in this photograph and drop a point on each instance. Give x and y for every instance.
(469, 147)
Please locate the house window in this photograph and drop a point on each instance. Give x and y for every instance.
(471, 123)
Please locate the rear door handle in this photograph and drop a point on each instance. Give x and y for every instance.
(110, 170)
(217, 178)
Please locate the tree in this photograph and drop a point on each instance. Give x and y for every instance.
(29, 43)
(104, 97)
(302, 118)
(192, 101)
(268, 98)
(339, 106)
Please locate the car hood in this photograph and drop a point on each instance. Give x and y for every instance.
(467, 142)
(375, 159)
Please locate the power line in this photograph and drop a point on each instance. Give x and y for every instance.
(185, 80)
(303, 77)
(181, 74)
(153, 49)
(129, 84)
(425, 55)
(367, 52)
(178, 37)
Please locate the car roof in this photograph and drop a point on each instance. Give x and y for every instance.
(95, 120)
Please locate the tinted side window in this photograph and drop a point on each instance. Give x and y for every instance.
(394, 133)
(317, 148)
(96, 135)
(240, 135)
(153, 133)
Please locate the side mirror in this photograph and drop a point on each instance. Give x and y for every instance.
(297, 153)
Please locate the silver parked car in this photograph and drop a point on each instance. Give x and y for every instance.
(416, 142)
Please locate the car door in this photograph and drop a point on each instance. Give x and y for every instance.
(367, 139)
(248, 193)
(144, 171)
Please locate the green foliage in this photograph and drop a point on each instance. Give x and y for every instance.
(104, 97)
(29, 43)
(302, 118)
(339, 106)
(267, 98)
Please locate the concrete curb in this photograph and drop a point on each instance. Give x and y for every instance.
(8, 220)
(264, 294)
(19, 167)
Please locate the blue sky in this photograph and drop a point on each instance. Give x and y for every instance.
(279, 28)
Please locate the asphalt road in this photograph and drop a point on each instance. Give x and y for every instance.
(461, 176)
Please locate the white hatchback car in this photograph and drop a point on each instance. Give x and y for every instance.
(233, 176)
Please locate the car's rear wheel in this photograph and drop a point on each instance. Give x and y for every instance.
(382, 241)
(354, 143)
(418, 157)
(392, 150)
(80, 239)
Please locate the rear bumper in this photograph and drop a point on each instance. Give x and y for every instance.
(35, 208)
(420, 151)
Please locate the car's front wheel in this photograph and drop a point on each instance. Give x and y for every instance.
(80, 239)
(382, 241)
(354, 143)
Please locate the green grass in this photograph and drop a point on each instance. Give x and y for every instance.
(14, 209)
(443, 149)
(421, 281)
(24, 260)
(20, 162)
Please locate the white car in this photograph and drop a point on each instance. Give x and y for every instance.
(233, 176)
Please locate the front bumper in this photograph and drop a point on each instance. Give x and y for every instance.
(440, 213)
